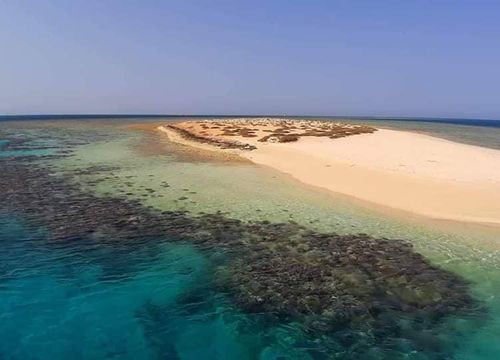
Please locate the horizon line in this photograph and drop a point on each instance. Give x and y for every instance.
(130, 115)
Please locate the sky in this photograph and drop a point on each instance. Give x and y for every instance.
(411, 58)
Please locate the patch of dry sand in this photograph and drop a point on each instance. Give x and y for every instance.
(397, 169)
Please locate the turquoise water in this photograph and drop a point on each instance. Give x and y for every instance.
(29, 148)
(16, 153)
(86, 300)
(106, 297)
(487, 136)
(75, 301)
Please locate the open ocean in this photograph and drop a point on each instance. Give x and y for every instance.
(117, 244)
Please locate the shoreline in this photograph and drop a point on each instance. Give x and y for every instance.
(176, 137)
(398, 170)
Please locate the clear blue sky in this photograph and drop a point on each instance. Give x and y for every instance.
(352, 57)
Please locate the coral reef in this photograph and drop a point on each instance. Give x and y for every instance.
(363, 292)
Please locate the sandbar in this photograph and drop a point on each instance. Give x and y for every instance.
(402, 170)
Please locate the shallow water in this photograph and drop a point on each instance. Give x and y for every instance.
(75, 301)
(157, 298)
(486, 136)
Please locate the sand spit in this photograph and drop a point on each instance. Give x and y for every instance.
(406, 171)
(264, 130)
(209, 140)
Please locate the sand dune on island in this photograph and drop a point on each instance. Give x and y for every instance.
(402, 170)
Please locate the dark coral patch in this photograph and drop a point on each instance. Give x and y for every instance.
(363, 292)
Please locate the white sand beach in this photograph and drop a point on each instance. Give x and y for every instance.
(401, 170)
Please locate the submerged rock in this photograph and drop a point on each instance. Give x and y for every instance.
(355, 288)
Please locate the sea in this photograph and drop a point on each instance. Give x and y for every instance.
(118, 244)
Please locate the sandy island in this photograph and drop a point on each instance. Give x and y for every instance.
(402, 170)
